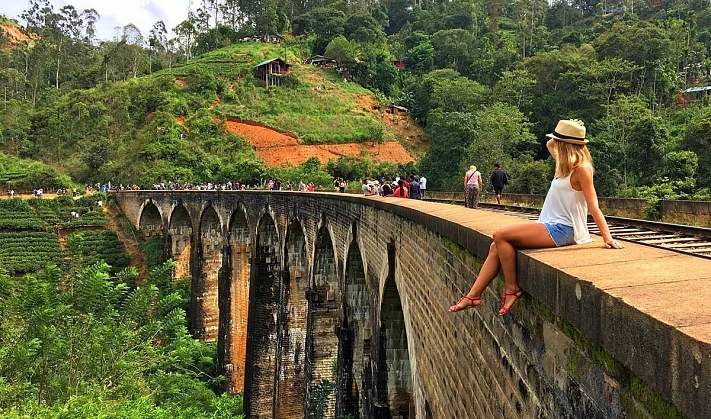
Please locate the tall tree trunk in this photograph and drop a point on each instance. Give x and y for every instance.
(59, 54)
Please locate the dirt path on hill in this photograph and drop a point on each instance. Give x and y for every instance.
(135, 255)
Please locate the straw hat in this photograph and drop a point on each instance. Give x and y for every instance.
(569, 131)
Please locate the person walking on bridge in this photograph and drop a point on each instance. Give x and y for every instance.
(472, 187)
(498, 179)
(562, 222)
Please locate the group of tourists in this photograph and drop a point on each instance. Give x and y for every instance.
(562, 222)
(270, 185)
(414, 187)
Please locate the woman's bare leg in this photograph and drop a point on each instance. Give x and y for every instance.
(487, 273)
(525, 236)
(502, 254)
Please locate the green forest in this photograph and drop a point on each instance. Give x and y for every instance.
(80, 337)
(486, 79)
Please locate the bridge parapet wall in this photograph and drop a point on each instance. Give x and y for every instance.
(600, 333)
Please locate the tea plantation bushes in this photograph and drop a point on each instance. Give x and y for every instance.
(59, 211)
(20, 221)
(16, 214)
(23, 252)
(29, 233)
(100, 245)
(87, 219)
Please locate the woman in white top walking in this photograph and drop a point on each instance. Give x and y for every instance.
(473, 186)
(563, 219)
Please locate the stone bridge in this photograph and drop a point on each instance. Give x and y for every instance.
(335, 306)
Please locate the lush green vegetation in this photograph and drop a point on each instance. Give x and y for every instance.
(100, 245)
(130, 133)
(43, 214)
(29, 233)
(486, 79)
(153, 250)
(78, 338)
(25, 251)
(24, 175)
(84, 343)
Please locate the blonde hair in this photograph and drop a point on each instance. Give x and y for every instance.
(472, 168)
(570, 156)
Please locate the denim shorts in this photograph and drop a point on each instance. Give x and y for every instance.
(561, 234)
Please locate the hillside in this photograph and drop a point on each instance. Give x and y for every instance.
(320, 108)
(182, 124)
(11, 30)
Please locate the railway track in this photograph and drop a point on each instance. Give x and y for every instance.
(690, 240)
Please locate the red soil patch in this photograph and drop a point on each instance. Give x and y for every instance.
(277, 148)
(215, 102)
(180, 120)
(181, 82)
(402, 125)
(14, 35)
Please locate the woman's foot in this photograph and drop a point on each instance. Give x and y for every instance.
(509, 300)
(465, 303)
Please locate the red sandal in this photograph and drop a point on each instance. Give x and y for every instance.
(455, 308)
(517, 296)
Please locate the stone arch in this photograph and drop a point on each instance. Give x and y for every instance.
(262, 324)
(394, 377)
(150, 222)
(323, 319)
(180, 231)
(293, 326)
(205, 283)
(234, 303)
(354, 334)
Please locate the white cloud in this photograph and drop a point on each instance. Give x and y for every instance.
(142, 13)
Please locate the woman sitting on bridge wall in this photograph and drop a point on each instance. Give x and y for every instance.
(563, 218)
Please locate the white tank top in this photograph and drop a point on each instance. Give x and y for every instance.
(564, 205)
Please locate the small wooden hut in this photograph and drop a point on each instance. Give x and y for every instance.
(321, 61)
(271, 72)
(697, 94)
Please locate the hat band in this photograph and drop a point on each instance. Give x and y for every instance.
(567, 137)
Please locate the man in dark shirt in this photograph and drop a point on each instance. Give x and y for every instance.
(414, 188)
(498, 179)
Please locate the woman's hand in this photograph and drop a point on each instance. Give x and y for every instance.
(613, 244)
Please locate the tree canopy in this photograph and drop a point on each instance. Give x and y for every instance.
(529, 61)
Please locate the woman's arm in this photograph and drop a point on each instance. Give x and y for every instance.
(481, 184)
(465, 180)
(585, 177)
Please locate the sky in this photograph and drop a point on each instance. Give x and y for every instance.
(142, 13)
